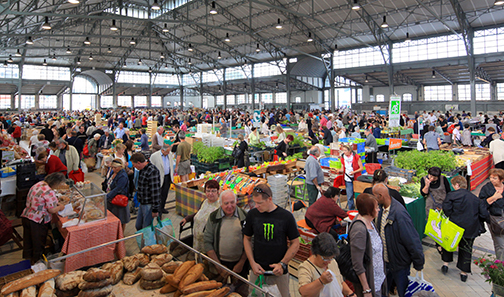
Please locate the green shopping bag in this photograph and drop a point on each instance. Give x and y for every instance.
(447, 234)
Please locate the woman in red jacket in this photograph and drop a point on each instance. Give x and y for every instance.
(52, 163)
(17, 133)
(324, 214)
(351, 167)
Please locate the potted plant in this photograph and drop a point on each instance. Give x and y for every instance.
(493, 270)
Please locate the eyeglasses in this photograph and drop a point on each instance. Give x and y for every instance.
(327, 259)
(261, 191)
(212, 191)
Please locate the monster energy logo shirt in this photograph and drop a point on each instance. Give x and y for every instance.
(271, 231)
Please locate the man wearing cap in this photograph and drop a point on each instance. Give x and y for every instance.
(275, 240)
(163, 160)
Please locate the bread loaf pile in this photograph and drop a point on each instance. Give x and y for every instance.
(96, 283)
(67, 285)
(27, 286)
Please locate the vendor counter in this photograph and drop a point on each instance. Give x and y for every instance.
(188, 200)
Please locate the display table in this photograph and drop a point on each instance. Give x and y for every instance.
(188, 200)
(416, 209)
(91, 234)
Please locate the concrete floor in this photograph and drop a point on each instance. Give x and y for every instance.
(445, 285)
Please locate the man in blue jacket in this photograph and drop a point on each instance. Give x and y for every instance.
(401, 243)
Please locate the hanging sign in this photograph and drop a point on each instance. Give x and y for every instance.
(394, 111)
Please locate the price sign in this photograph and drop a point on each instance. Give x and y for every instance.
(257, 118)
(395, 143)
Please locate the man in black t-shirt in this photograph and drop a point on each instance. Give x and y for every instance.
(275, 240)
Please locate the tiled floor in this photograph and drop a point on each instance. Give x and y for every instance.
(445, 285)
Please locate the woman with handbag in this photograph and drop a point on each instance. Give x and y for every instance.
(117, 192)
(351, 168)
(491, 196)
(243, 151)
(367, 249)
(319, 275)
(462, 208)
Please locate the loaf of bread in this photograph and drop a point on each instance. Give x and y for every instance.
(100, 292)
(171, 266)
(234, 294)
(161, 259)
(47, 289)
(132, 277)
(152, 285)
(143, 258)
(116, 270)
(29, 280)
(203, 278)
(29, 292)
(155, 249)
(167, 289)
(95, 285)
(152, 272)
(177, 293)
(14, 294)
(169, 279)
(219, 293)
(192, 275)
(70, 293)
(200, 293)
(182, 270)
(131, 263)
(96, 275)
(201, 286)
(70, 280)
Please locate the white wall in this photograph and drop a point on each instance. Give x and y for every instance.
(308, 96)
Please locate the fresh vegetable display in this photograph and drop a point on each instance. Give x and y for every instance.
(210, 154)
(422, 161)
(411, 190)
(295, 156)
(197, 147)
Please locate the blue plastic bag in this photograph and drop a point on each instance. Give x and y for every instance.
(417, 284)
(148, 238)
(152, 236)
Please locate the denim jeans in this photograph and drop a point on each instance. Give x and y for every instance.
(401, 280)
(144, 218)
(350, 195)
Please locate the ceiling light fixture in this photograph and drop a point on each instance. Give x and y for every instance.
(90, 57)
(114, 27)
(29, 40)
(125, 64)
(310, 39)
(109, 50)
(279, 24)
(73, 1)
(190, 63)
(433, 74)
(139, 62)
(336, 48)
(87, 41)
(150, 69)
(227, 38)
(5, 64)
(162, 56)
(366, 80)
(155, 5)
(499, 2)
(78, 61)
(190, 48)
(46, 25)
(68, 51)
(54, 57)
(10, 59)
(408, 39)
(132, 41)
(44, 63)
(18, 53)
(213, 10)
(165, 28)
(258, 49)
(166, 65)
(356, 5)
(219, 56)
(384, 24)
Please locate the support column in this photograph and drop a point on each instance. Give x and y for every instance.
(114, 94)
(149, 98)
(493, 91)
(71, 92)
(331, 86)
(201, 93)
(224, 91)
(455, 96)
(13, 100)
(390, 70)
(37, 101)
(20, 89)
(181, 97)
(252, 88)
(287, 85)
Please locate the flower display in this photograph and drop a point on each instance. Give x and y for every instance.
(492, 269)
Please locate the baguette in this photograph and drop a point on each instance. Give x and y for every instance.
(182, 270)
(167, 289)
(177, 293)
(192, 275)
(100, 292)
(161, 259)
(169, 279)
(96, 275)
(29, 292)
(152, 285)
(203, 278)
(171, 266)
(95, 285)
(47, 289)
(132, 277)
(155, 249)
(15, 294)
(29, 280)
(70, 280)
(220, 292)
(201, 286)
(143, 258)
(200, 293)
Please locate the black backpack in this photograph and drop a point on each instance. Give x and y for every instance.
(236, 152)
(344, 258)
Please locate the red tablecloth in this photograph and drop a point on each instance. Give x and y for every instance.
(78, 238)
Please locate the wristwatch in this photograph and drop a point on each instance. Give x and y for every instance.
(367, 291)
(353, 294)
(284, 266)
